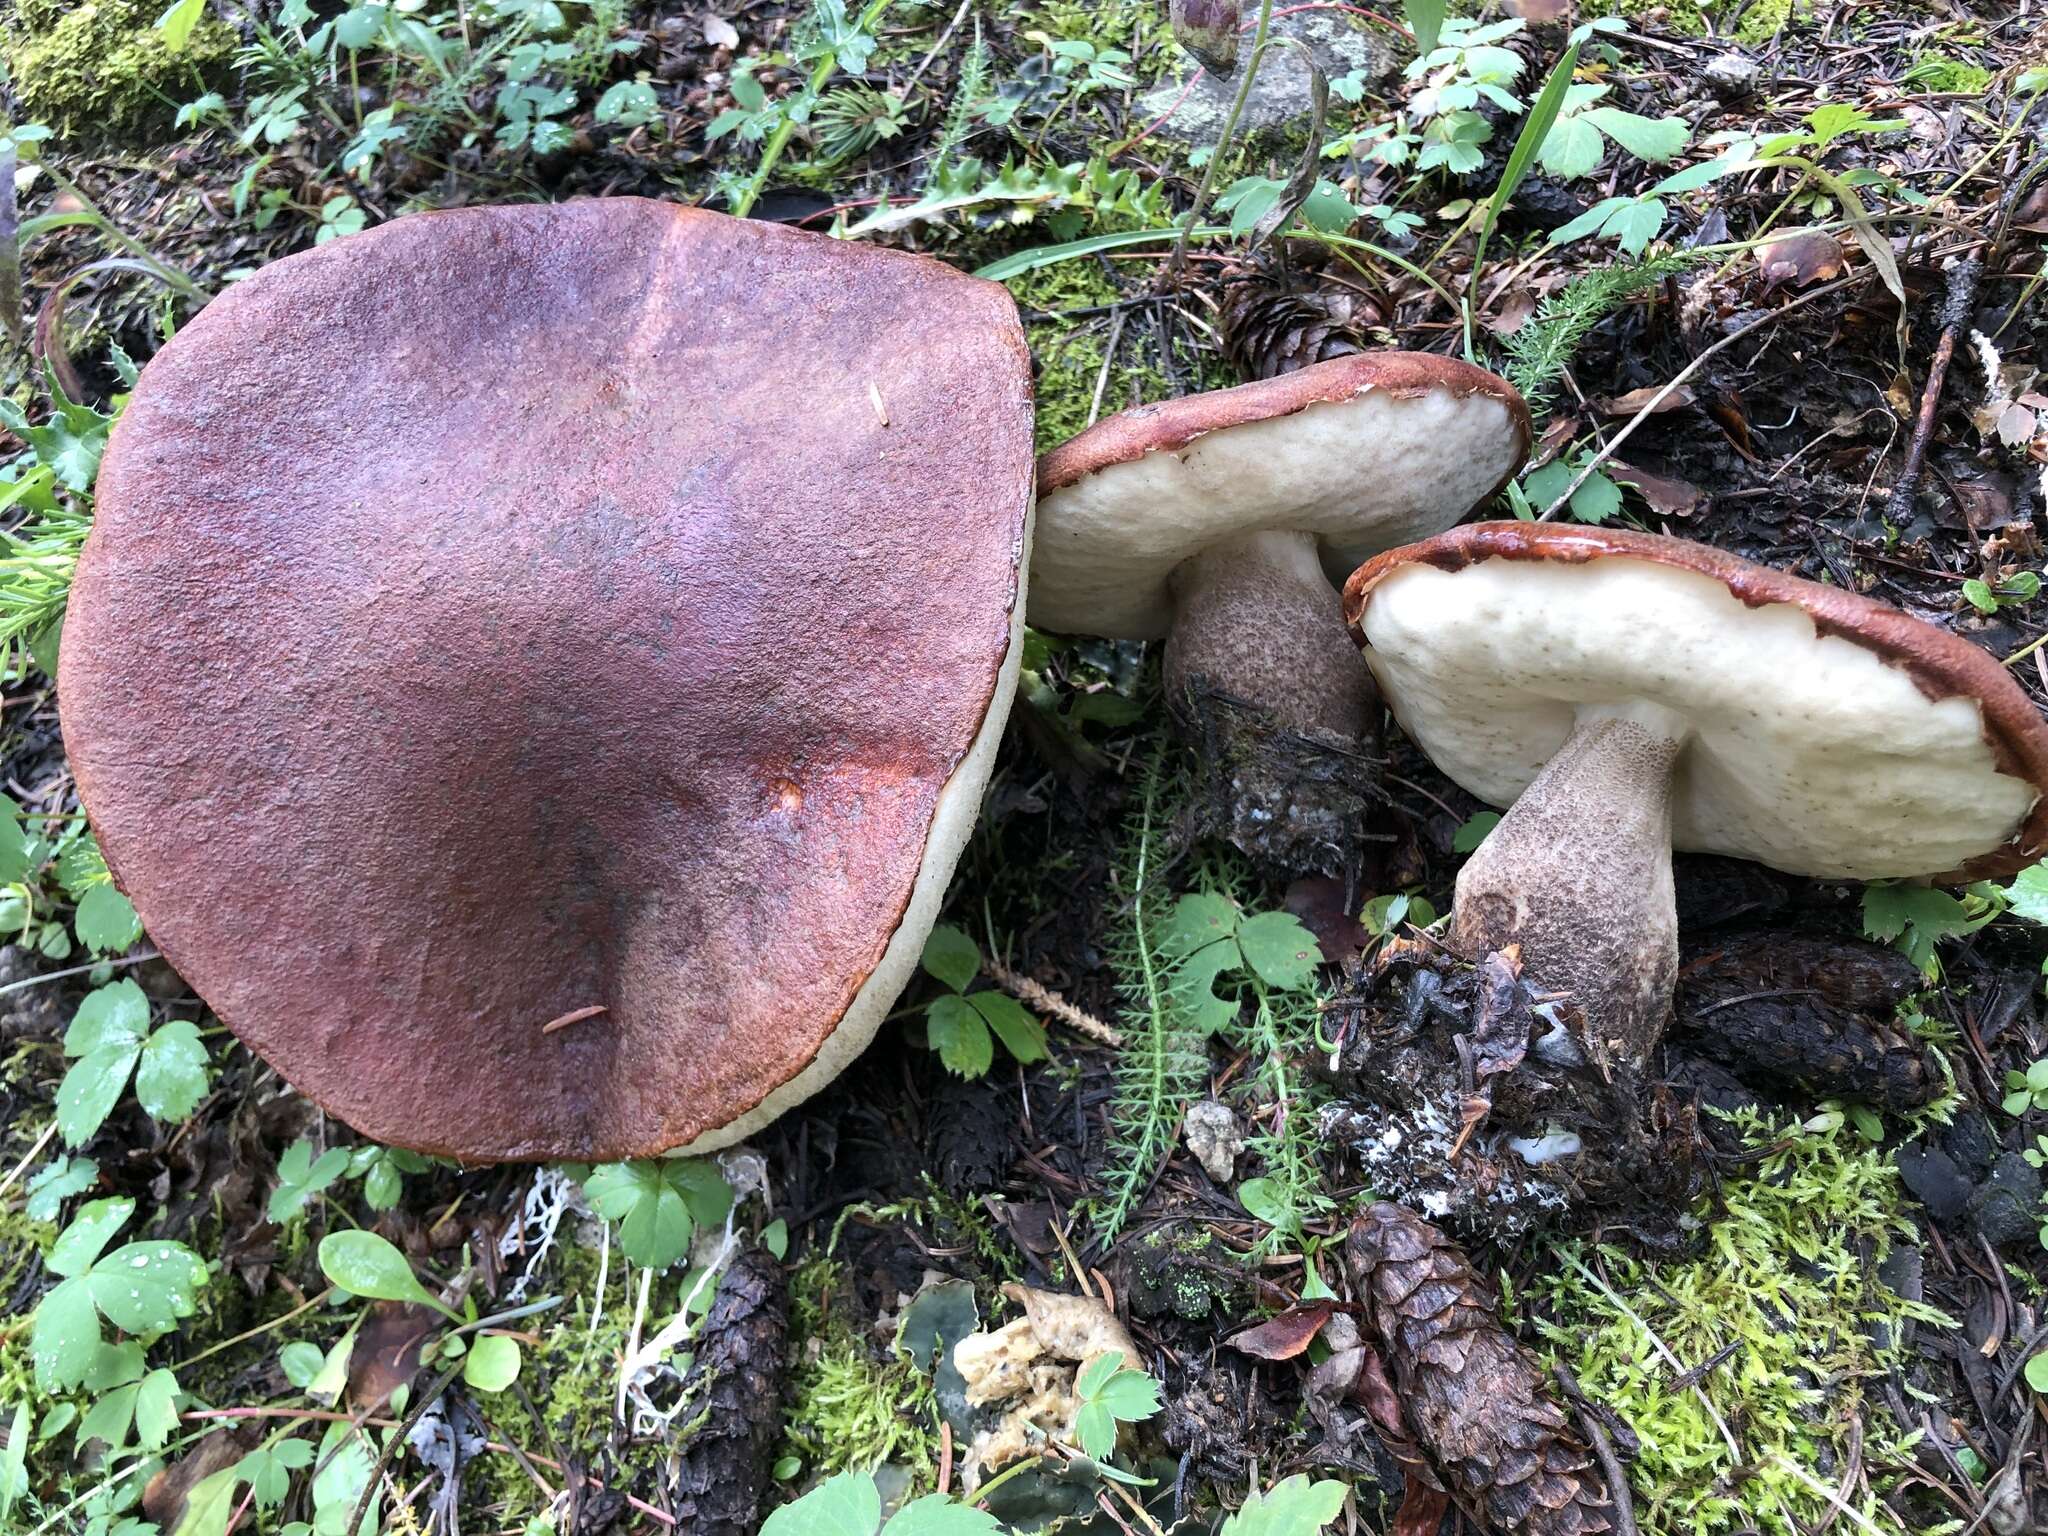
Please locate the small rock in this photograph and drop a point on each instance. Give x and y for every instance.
(1280, 95)
(2007, 1206)
(1732, 75)
(1212, 1135)
(1935, 1180)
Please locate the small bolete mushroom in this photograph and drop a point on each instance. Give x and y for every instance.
(1627, 693)
(1218, 522)
(536, 667)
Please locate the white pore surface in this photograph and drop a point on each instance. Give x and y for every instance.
(1365, 473)
(1806, 753)
(952, 824)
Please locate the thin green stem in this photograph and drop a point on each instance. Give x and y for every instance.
(779, 139)
(1244, 91)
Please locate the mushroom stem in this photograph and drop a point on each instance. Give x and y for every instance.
(1257, 620)
(1578, 872)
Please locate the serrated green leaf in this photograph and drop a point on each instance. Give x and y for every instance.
(116, 1014)
(1194, 922)
(170, 1078)
(106, 920)
(1573, 149)
(955, 1030)
(1095, 1431)
(1280, 950)
(81, 1243)
(108, 1419)
(91, 1089)
(1291, 1507)
(952, 956)
(210, 1504)
(177, 23)
(146, 1287)
(65, 1337)
(2027, 896)
(1425, 19)
(937, 1515)
(156, 1409)
(1130, 1396)
(57, 1182)
(847, 1504)
(1597, 500)
(1655, 139)
(1022, 1035)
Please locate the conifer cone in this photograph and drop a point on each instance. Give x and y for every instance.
(1275, 320)
(1478, 1403)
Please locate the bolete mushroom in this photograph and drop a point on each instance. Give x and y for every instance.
(1627, 694)
(1218, 521)
(535, 667)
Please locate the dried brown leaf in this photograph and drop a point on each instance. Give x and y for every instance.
(1285, 1335)
(1800, 258)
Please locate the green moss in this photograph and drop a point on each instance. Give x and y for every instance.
(850, 1409)
(1942, 73)
(1127, 24)
(1787, 1300)
(1069, 351)
(1767, 18)
(101, 68)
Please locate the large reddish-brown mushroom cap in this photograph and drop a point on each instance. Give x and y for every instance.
(518, 612)
(1821, 732)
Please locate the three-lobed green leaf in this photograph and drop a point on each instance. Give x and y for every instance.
(658, 1204)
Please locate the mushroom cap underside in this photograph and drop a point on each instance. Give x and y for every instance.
(1365, 452)
(515, 613)
(1824, 733)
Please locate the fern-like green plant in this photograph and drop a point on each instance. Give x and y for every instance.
(968, 89)
(1165, 1063)
(1543, 347)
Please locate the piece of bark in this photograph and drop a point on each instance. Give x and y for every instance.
(736, 1382)
(1477, 1402)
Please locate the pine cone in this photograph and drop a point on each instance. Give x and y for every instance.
(1273, 325)
(1477, 1401)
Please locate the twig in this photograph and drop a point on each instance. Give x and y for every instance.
(392, 1441)
(28, 1157)
(1603, 1452)
(1035, 994)
(79, 970)
(1650, 406)
(1956, 308)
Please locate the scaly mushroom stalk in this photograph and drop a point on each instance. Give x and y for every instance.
(1257, 620)
(1578, 872)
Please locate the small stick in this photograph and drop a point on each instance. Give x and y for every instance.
(1956, 307)
(577, 1016)
(1036, 994)
(1603, 1452)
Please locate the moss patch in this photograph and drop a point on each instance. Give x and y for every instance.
(851, 1409)
(1788, 1282)
(1941, 73)
(1069, 350)
(100, 69)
